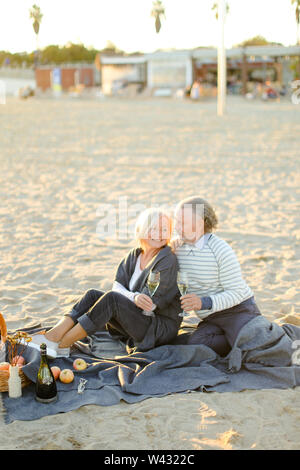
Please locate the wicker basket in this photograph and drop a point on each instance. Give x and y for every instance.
(4, 374)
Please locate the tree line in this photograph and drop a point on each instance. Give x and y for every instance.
(54, 54)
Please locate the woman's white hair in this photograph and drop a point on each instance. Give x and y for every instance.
(149, 219)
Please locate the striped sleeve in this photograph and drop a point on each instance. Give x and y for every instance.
(235, 289)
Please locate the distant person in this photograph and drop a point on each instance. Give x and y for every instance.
(195, 91)
(283, 90)
(270, 92)
(187, 91)
(256, 92)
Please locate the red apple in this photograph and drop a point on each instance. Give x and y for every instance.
(19, 361)
(79, 364)
(4, 365)
(55, 371)
(66, 376)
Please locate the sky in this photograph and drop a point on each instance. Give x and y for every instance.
(129, 25)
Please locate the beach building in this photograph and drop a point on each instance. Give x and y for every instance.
(118, 71)
(67, 76)
(168, 71)
(179, 69)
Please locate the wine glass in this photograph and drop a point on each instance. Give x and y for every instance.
(183, 284)
(152, 284)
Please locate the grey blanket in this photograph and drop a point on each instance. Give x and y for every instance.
(261, 358)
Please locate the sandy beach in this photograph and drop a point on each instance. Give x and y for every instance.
(63, 159)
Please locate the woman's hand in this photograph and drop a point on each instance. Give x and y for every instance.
(144, 302)
(190, 302)
(176, 243)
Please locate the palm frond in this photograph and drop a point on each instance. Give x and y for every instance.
(157, 8)
(157, 12)
(35, 13)
(215, 7)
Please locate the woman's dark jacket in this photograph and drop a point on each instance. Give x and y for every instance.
(165, 324)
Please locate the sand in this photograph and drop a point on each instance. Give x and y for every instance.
(62, 159)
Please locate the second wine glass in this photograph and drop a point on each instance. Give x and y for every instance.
(183, 284)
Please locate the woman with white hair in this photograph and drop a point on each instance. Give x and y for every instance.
(123, 309)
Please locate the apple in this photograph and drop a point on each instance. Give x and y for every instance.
(79, 364)
(55, 371)
(4, 365)
(19, 361)
(66, 376)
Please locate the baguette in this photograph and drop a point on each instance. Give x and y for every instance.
(3, 329)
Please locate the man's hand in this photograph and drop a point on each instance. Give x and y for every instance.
(175, 243)
(190, 302)
(144, 302)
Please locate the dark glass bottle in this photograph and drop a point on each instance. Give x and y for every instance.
(45, 386)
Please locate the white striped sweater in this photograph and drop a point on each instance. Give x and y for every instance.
(214, 271)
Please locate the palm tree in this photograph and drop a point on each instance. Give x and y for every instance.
(36, 15)
(158, 11)
(297, 12)
(215, 7)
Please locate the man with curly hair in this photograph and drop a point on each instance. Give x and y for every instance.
(217, 292)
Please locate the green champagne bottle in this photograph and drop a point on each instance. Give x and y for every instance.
(45, 386)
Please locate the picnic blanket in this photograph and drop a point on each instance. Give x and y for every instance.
(261, 358)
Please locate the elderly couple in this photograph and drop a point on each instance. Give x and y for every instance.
(217, 292)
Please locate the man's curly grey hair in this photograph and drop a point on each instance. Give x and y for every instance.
(201, 207)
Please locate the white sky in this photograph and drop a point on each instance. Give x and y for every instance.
(128, 24)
